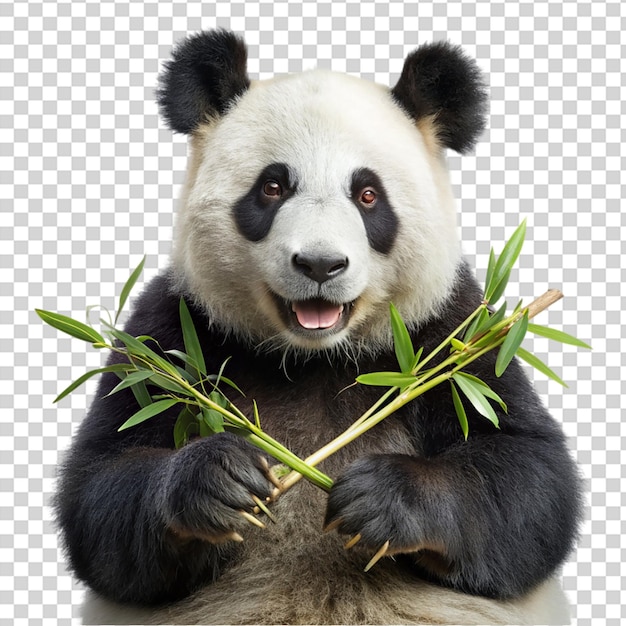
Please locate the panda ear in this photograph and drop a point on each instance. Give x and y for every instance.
(206, 73)
(439, 81)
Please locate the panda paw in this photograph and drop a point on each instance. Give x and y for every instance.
(211, 487)
(379, 502)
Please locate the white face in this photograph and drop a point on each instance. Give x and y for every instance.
(309, 207)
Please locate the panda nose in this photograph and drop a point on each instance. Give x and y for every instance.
(319, 268)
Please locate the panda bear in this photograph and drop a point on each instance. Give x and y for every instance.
(312, 201)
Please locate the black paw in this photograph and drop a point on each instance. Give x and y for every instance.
(379, 502)
(210, 487)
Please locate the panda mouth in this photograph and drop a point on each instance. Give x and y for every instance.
(317, 316)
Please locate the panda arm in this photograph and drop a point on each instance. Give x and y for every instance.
(140, 521)
(493, 515)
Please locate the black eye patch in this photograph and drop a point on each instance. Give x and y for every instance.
(255, 212)
(381, 223)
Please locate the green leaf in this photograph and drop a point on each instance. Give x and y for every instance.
(417, 358)
(557, 335)
(485, 389)
(136, 347)
(457, 345)
(219, 398)
(118, 367)
(212, 422)
(147, 412)
(130, 283)
(140, 391)
(460, 411)
(386, 379)
(504, 264)
(511, 343)
(511, 251)
(229, 382)
(257, 417)
(219, 377)
(538, 364)
(169, 385)
(70, 326)
(190, 337)
(474, 393)
(402, 343)
(131, 379)
(185, 358)
(490, 268)
(499, 288)
(187, 424)
(477, 323)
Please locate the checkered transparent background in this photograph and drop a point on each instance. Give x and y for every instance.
(89, 178)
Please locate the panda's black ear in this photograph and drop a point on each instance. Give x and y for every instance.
(440, 81)
(206, 73)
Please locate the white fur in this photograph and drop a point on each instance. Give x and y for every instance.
(323, 126)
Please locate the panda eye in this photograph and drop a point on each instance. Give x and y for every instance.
(368, 197)
(272, 189)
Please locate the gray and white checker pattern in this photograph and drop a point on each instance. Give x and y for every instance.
(89, 178)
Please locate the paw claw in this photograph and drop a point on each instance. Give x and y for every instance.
(332, 525)
(379, 555)
(352, 542)
(253, 520)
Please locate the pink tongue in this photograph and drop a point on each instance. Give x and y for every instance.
(317, 313)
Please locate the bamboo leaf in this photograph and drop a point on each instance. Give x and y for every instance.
(490, 268)
(257, 418)
(505, 262)
(230, 383)
(219, 377)
(166, 383)
(186, 426)
(460, 411)
(457, 345)
(499, 288)
(138, 348)
(417, 358)
(147, 412)
(131, 379)
(71, 326)
(185, 358)
(130, 283)
(474, 393)
(477, 323)
(118, 367)
(511, 343)
(190, 337)
(140, 391)
(386, 379)
(538, 364)
(485, 389)
(557, 335)
(212, 422)
(402, 343)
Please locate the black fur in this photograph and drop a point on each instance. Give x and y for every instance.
(206, 74)
(501, 507)
(439, 80)
(381, 223)
(255, 212)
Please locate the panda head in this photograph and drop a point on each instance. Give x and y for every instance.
(313, 200)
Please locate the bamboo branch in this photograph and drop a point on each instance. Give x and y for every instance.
(534, 308)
